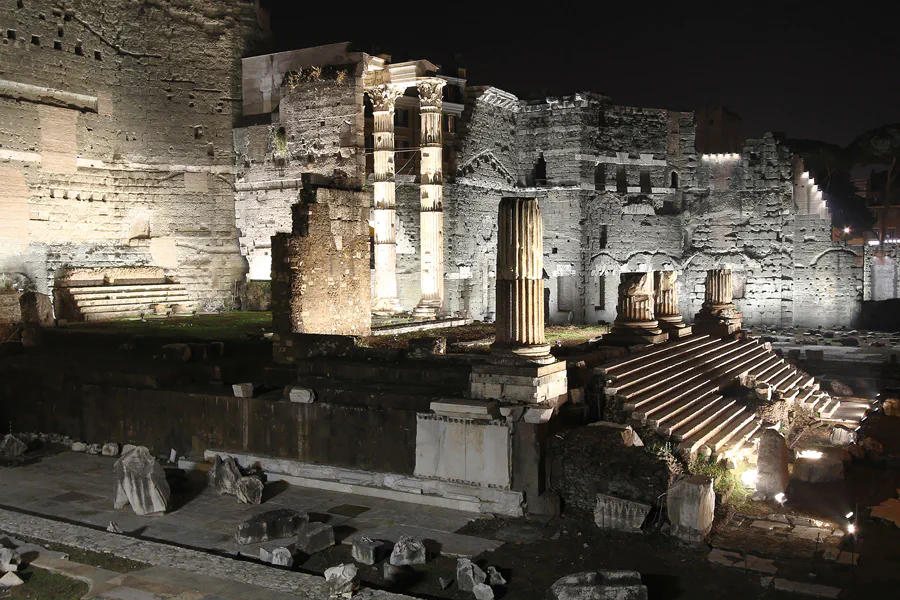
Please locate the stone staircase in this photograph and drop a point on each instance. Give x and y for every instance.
(677, 389)
(103, 302)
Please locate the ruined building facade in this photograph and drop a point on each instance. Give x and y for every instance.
(134, 135)
(621, 189)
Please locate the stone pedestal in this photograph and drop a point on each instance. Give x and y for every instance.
(691, 504)
(666, 305)
(431, 189)
(385, 300)
(772, 464)
(718, 316)
(635, 321)
(524, 384)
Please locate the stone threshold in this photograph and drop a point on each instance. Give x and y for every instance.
(423, 326)
(389, 486)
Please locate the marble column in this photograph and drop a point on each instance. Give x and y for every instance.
(385, 300)
(634, 313)
(718, 315)
(520, 284)
(666, 304)
(431, 230)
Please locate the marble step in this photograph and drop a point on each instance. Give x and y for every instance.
(831, 406)
(789, 383)
(720, 430)
(86, 300)
(772, 372)
(783, 376)
(115, 315)
(666, 371)
(740, 439)
(703, 418)
(99, 305)
(626, 366)
(771, 360)
(118, 307)
(692, 407)
(114, 289)
(698, 384)
(653, 389)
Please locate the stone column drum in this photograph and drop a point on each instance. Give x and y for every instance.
(635, 321)
(385, 300)
(666, 304)
(718, 315)
(520, 285)
(432, 198)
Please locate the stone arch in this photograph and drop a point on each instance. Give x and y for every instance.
(824, 253)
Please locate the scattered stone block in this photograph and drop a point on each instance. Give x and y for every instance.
(242, 390)
(110, 449)
(819, 470)
(249, 489)
(691, 503)
(599, 585)
(891, 407)
(141, 483)
(113, 527)
(160, 309)
(224, 475)
(279, 557)
(9, 560)
(772, 464)
(271, 525)
(494, 576)
(300, 395)
(11, 446)
(341, 580)
(127, 448)
(811, 533)
(315, 537)
(841, 436)
(177, 352)
(618, 514)
(468, 575)
(888, 511)
(408, 551)
(79, 447)
(366, 551)
(483, 592)
(10, 580)
(95, 449)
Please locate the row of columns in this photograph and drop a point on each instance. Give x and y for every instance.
(647, 305)
(431, 210)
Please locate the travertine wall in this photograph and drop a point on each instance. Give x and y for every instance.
(115, 120)
(321, 270)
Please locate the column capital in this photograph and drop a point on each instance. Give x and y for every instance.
(431, 92)
(384, 96)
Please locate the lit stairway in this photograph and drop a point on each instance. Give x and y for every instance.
(676, 389)
(102, 302)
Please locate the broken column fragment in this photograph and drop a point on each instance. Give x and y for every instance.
(718, 315)
(315, 537)
(141, 482)
(691, 504)
(271, 525)
(635, 319)
(408, 551)
(665, 286)
(772, 464)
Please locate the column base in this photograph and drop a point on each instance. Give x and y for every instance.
(547, 385)
(386, 307)
(674, 326)
(719, 320)
(636, 332)
(427, 309)
(538, 354)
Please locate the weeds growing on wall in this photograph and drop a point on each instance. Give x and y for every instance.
(725, 481)
(292, 79)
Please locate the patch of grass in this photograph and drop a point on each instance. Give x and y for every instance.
(567, 335)
(725, 481)
(221, 326)
(44, 585)
(87, 557)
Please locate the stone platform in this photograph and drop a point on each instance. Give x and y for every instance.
(527, 384)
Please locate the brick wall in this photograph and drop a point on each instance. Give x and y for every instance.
(149, 138)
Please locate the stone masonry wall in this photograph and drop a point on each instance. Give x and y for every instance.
(116, 121)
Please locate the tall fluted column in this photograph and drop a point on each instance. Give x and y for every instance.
(385, 300)
(431, 230)
(666, 304)
(718, 315)
(520, 284)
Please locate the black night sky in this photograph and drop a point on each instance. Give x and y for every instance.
(828, 77)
